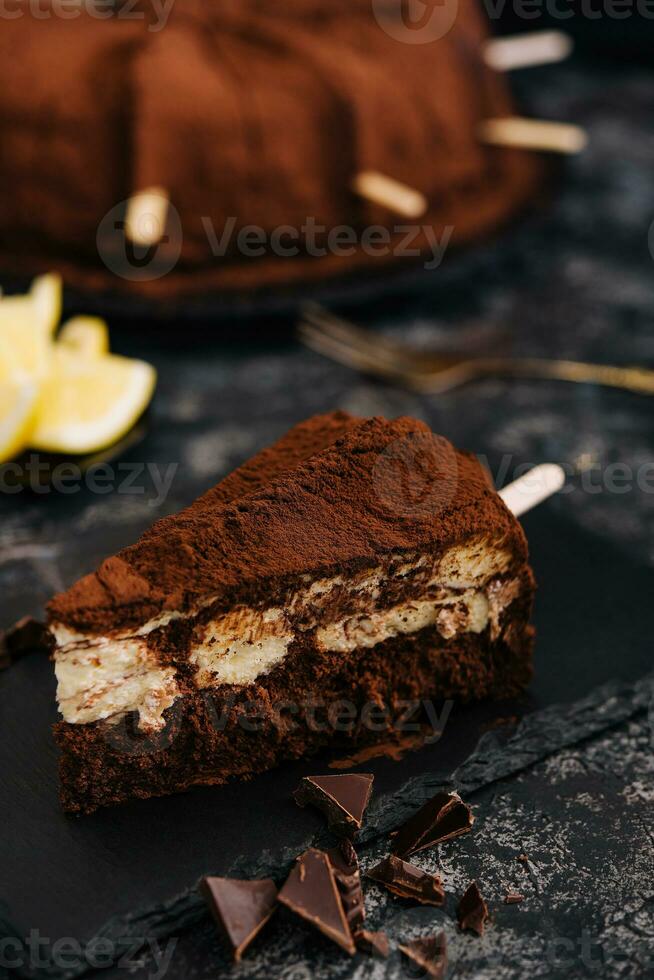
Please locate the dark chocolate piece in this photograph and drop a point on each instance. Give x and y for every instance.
(343, 799)
(440, 819)
(374, 943)
(241, 908)
(28, 635)
(472, 911)
(513, 898)
(345, 864)
(311, 891)
(429, 954)
(407, 881)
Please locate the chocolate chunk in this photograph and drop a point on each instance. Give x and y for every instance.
(472, 911)
(311, 891)
(513, 898)
(440, 819)
(407, 881)
(374, 943)
(345, 864)
(343, 799)
(25, 636)
(241, 908)
(429, 954)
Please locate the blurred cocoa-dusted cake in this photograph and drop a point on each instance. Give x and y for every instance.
(247, 113)
(356, 562)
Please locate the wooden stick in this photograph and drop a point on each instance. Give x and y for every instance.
(527, 50)
(390, 193)
(533, 488)
(147, 211)
(533, 134)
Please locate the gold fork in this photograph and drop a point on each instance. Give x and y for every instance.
(435, 373)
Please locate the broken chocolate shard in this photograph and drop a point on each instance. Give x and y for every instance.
(311, 892)
(345, 864)
(373, 943)
(513, 898)
(407, 881)
(472, 911)
(440, 819)
(428, 954)
(28, 635)
(240, 908)
(343, 799)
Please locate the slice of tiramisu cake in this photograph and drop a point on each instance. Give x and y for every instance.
(353, 567)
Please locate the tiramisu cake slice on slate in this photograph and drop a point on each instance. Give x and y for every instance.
(356, 562)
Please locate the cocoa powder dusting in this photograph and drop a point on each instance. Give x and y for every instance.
(335, 493)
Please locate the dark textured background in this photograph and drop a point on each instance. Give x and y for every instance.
(575, 280)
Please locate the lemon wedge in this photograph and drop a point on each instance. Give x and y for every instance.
(18, 406)
(87, 404)
(27, 323)
(87, 336)
(46, 297)
(24, 350)
(40, 307)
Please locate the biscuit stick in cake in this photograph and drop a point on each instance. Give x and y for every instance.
(527, 50)
(533, 134)
(390, 193)
(533, 488)
(147, 211)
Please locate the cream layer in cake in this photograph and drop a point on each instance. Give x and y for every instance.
(464, 589)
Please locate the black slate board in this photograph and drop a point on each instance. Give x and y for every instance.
(67, 876)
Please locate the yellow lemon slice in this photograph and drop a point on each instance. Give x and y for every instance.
(87, 404)
(24, 350)
(18, 407)
(46, 296)
(27, 323)
(87, 336)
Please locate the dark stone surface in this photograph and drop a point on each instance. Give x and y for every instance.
(575, 280)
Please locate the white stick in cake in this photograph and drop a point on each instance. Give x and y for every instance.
(527, 50)
(147, 211)
(390, 193)
(533, 134)
(533, 488)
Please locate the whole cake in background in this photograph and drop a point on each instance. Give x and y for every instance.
(356, 561)
(248, 111)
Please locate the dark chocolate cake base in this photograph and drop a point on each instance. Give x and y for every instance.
(310, 702)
